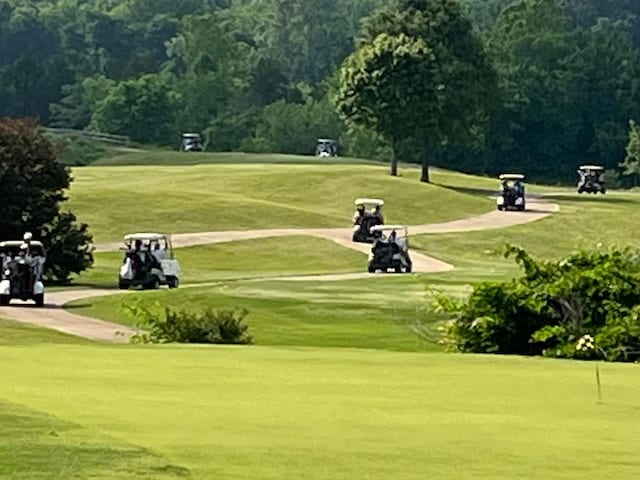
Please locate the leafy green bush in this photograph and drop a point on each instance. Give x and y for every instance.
(79, 152)
(552, 306)
(207, 327)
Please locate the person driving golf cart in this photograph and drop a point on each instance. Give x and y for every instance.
(22, 271)
(368, 214)
(147, 264)
(326, 148)
(390, 250)
(512, 196)
(591, 179)
(191, 142)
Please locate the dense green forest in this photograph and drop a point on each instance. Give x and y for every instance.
(261, 75)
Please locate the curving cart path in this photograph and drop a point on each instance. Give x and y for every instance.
(54, 316)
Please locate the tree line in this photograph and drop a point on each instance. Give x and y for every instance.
(540, 86)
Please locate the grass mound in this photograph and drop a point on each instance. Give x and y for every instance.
(116, 200)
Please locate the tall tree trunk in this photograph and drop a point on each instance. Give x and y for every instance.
(426, 151)
(394, 160)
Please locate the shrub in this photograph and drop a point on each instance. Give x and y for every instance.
(224, 326)
(551, 306)
(78, 152)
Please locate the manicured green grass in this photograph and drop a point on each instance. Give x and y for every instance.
(251, 412)
(167, 158)
(582, 222)
(15, 333)
(376, 314)
(266, 257)
(118, 200)
(35, 445)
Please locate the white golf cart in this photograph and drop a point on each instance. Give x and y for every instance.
(22, 271)
(191, 142)
(368, 214)
(390, 250)
(591, 179)
(149, 262)
(512, 195)
(326, 147)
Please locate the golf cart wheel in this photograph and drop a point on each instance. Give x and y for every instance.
(371, 269)
(173, 282)
(152, 284)
(123, 285)
(408, 268)
(4, 300)
(398, 269)
(39, 299)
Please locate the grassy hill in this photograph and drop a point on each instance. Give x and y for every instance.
(116, 200)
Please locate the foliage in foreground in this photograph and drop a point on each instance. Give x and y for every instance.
(219, 327)
(552, 306)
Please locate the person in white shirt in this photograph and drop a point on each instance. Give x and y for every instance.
(158, 252)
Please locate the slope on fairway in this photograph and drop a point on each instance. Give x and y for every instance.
(375, 313)
(581, 222)
(252, 412)
(118, 200)
(244, 259)
(166, 158)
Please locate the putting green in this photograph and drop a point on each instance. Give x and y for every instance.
(254, 412)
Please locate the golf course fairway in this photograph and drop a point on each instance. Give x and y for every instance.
(276, 413)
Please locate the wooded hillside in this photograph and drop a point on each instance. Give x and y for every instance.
(261, 75)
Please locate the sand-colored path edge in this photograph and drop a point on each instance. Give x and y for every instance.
(54, 315)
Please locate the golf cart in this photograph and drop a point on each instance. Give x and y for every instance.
(148, 262)
(191, 142)
(368, 214)
(326, 148)
(22, 271)
(390, 250)
(512, 193)
(591, 179)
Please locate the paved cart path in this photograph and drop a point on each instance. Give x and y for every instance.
(54, 315)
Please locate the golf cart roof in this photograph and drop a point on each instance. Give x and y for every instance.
(326, 140)
(388, 228)
(369, 201)
(146, 236)
(19, 243)
(190, 135)
(512, 176)
(591, 167)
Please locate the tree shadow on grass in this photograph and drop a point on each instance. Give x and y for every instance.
(568, 197)
(479, 192)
